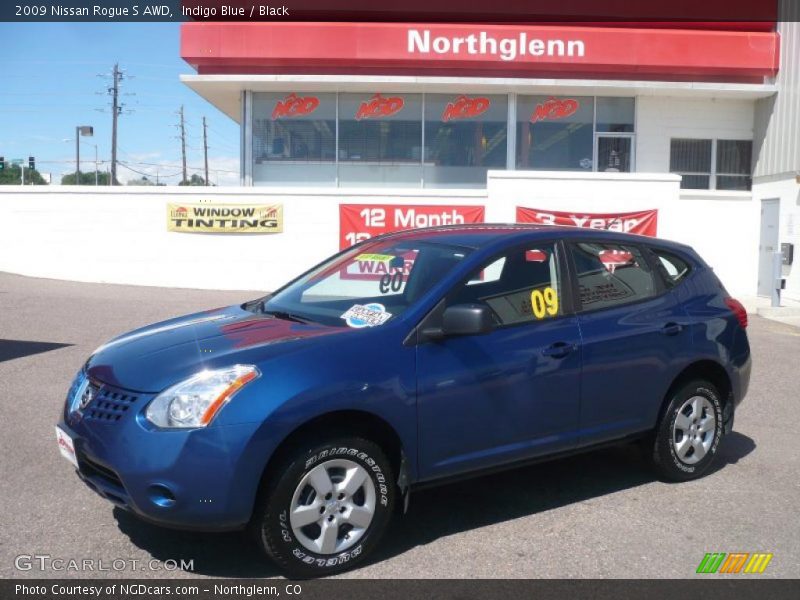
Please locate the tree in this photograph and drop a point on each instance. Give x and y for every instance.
(85, 178)
(11, 176)
(194, 180)
(143, 181)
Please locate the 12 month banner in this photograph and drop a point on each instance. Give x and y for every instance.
(359, 222)
(643, 222)
(225, 218)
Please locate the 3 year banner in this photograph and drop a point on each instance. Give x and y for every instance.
(643, 222)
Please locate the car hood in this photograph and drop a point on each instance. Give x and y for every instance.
(155, 357)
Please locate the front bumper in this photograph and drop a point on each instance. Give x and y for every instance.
(196, 479)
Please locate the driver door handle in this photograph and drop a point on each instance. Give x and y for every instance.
(671, 329)
(559, 349)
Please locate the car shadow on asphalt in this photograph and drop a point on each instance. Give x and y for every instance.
(437, 512)
(11, 349)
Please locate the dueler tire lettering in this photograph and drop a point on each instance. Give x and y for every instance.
(271, 523)
(663, 453)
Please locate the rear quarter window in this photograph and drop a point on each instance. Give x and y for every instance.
(673, 267)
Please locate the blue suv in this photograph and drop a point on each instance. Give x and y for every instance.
(310, 414)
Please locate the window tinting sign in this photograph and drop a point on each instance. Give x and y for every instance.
(379, 107)
(554, 108)
(294, 106)
(465, 107)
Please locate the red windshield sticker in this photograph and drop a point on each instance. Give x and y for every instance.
(379, 107)
(554, 108)
(465, 108)
(295, 106)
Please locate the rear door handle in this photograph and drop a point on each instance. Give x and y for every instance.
(559, 349)
(672, 329)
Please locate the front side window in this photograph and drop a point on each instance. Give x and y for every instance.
(465, 136)
(369, 284)
(611, 275)
(518, 287)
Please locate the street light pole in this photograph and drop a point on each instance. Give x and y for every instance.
(77, 155)
(80, 130)
(95, 164)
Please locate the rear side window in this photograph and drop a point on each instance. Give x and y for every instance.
(611, 275)
(673, 268)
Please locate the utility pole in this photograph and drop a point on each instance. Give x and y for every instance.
(115, 111)
(183, 145)
(205, 148)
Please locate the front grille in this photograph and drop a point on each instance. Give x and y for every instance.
(109, 405)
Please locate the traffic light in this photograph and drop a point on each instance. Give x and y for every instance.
(2, 163)
(31, 163)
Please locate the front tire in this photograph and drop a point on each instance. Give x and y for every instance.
(689, 432)
(327, 508)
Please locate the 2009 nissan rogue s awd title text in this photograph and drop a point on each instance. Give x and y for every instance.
(417, 356)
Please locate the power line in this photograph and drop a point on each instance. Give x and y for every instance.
(205, 148)
(183, 142)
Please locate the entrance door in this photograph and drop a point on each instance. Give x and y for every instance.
(614, 154)
(767, 244)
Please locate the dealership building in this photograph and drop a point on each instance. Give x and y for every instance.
(688, 131)
(699, 122)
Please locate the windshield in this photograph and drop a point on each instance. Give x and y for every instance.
(368, 285)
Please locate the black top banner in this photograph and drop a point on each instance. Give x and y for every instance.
(744, 14)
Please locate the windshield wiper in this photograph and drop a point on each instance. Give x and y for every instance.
(286, 316)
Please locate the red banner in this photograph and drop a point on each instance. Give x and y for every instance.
(359, 222)
(643, 222)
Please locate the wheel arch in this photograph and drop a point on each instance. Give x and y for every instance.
(707, 369)
(341, 422)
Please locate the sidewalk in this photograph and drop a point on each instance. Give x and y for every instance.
(788, 312)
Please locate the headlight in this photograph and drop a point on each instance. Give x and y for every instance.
(195, 401)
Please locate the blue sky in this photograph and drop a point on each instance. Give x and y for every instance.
(49, 83)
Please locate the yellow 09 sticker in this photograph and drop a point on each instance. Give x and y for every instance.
(544, 303)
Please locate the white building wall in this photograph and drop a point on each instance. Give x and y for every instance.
(659, 118)
(119, 235)
(787, 190)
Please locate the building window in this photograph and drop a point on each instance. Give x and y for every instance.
(694, 161)
(441, 140)
(294, 138)
(733, 164)
(465, 136)
(575, 133)
(380, 139)
(555, 134)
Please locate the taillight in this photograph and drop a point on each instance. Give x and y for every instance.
(738, 310)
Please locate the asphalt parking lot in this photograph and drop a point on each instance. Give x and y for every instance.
(595, 515)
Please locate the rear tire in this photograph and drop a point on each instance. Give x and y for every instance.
(688, 435)
(327, 508)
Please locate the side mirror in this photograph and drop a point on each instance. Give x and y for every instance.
(466, 319)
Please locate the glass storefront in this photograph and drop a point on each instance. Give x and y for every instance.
(432, 140)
